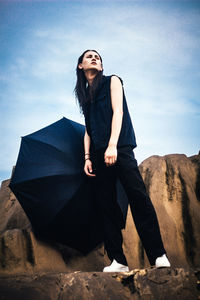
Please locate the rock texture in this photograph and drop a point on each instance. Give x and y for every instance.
(173, 182)
(152, 284)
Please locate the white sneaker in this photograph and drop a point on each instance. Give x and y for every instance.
(116, 267)
(162, 262)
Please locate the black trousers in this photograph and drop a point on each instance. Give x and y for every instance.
(142, 209)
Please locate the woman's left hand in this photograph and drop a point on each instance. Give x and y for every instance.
(110, 155)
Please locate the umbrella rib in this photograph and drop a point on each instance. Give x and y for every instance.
(42, 142)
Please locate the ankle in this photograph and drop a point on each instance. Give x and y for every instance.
(122, 262)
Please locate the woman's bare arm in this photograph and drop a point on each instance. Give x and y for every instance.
(117, 107)
(88, 163)
(110, 156)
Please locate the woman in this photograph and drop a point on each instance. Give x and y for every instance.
(109, 142)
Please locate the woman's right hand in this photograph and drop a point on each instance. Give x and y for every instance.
(88, 168)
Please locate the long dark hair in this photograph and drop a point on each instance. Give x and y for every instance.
(80, 91)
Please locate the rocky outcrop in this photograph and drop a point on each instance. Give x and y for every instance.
(153, 284)
(173, 185)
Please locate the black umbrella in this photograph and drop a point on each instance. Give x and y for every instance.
(50, 183)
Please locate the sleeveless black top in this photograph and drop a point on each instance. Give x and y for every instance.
(98, 118)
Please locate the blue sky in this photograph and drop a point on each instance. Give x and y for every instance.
(152, 45)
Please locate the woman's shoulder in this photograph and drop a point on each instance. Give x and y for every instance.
(108, 78)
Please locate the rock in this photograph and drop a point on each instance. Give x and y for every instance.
(20, 252)
(11, 213)
(172, 182)
(167, 283)
(151, 283)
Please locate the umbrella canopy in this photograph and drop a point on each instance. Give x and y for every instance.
(50, 183)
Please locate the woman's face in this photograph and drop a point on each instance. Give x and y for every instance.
(91, 61)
